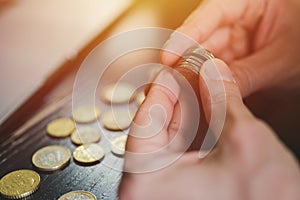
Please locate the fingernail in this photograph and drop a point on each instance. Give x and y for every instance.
(178, 43)
(166, 44)
(216, 69)
(167, 80)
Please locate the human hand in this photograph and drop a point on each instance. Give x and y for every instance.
(249, 162)
(258, 39)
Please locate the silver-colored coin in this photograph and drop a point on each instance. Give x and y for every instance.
(85, 135)
(78, 195)
(51, 158)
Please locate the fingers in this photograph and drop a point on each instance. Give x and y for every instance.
(149, 129)
(221, 98)
(218, 87)
(209, 16)
(245, 140)
(262, 70)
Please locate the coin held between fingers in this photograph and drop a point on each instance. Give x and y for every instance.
(194, 58)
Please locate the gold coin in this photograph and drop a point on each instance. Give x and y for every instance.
(51, 158)
(88, 153)
(61, 127)
(78, 195)
(118, 145)
(19, 184)
(118, 93)
(86, 114)
(117, 120)
(85, 135)
(140, 97)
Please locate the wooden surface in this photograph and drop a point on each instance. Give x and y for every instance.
(24, 132)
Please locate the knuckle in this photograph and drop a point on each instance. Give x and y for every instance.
(174, 127)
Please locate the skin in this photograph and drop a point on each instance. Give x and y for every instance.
(249, 161)
(256, 38)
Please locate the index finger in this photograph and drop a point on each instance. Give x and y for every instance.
(149, 129)
(206, 19)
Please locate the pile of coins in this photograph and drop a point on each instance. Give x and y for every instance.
(22, 183)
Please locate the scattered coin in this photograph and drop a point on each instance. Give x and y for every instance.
(78, 195)
(85, 135)
(86, 114)
(118, 145)
(118, 93)
(88, 153)
(61, 127)
(116, 120)
(140, 97)
(51, 158)
(19, 184)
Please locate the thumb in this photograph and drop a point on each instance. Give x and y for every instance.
(204, 21)
(221, 98)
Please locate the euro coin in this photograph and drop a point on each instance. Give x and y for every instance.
(86, 114)
(140, 97)
(78, 195)
(88, 153)
(51, 158)
(118, 93)
(85, 135)
(61, 127)
(118, 145)
(19, 184)
(118, 119)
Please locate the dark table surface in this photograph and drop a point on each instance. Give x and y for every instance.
(24, 132)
